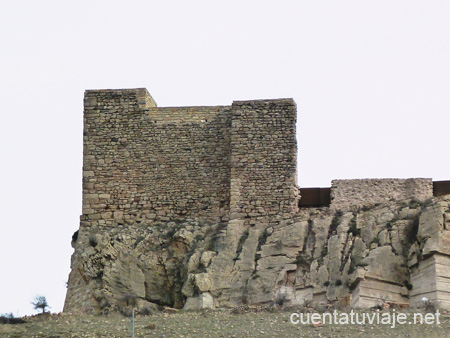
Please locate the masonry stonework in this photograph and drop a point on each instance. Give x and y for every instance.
(365, 192)
(198, 207)
(144, 163)
(263, 159)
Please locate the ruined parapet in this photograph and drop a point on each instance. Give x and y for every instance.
(368, 192)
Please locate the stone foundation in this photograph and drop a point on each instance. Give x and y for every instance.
(431, 280)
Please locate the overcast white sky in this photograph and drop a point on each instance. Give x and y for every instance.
(371, 80)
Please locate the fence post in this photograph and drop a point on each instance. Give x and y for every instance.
(132, 322)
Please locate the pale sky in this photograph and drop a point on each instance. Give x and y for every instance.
(371, 80)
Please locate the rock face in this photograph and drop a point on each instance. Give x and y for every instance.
(319, 256)
(197, 207)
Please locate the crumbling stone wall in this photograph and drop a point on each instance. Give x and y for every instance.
(367, 192)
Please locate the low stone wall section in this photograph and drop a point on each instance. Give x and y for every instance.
(367, 192)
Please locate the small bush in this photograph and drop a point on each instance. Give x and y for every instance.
(40, 302)
(241, 243)
(146, 311)
(324, 251)
(301, 260)
(414, 203)
(411, 231)
(93, 241)
(138, 240)
(428, 202)
(8, 318)
(280, 298)
(375, 240)
(353, 266)
(130, 299)
(353, 229)
(408, 285)
(351, 269)
(337, 219)
(430, 307)
(171, 233)
(262, 239)
(75, 236)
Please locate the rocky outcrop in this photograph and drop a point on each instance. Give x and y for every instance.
(320, 255)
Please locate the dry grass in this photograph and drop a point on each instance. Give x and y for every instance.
(247, 323)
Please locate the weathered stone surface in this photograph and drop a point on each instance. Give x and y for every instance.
(430, 279)
(370, 293)
(431, 221)
(206, 257)
(439, 242)
(204, 301)
(367, 192)
(383, 264)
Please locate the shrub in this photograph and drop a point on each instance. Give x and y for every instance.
(40, 302)
(241, 243)
(414, 203)
(146, 311)
(337, 219)
(430, 307)
(127, 303)
(262, 239)
(130, 299)
(301, 260)
(280, 298)
(408, 285)
(8, 318)
(411, 231)
(93, 241)
(75, 236)
(353, 229)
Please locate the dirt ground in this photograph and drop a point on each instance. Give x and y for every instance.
(245, 323)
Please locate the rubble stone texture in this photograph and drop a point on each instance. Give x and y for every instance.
(197, 207)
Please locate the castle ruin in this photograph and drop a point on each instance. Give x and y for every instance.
(198, 207)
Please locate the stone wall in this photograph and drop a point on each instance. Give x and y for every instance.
(367, 192)
(145, 163)
(263, 159)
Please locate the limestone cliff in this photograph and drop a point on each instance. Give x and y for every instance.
(357, 256)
